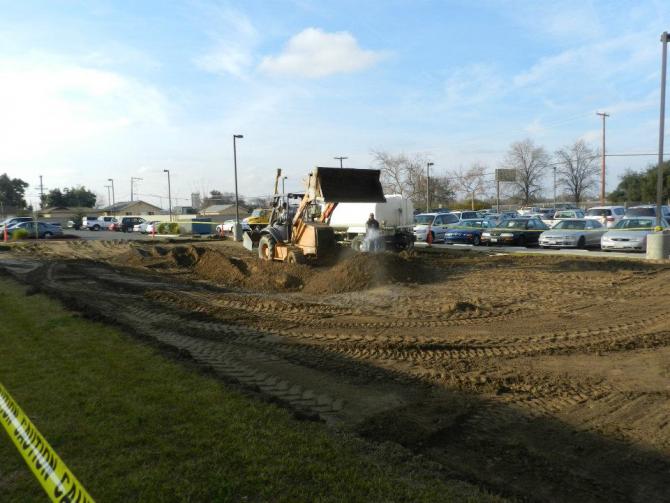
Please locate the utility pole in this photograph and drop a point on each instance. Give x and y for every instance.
(661, 131)
(283, 190)
(604, 115)
(428, 185)
(41, 193)
(238, 228)
(133, 179)
(169, 193)
(340, 159)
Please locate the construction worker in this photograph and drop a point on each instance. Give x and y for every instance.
(372, 234)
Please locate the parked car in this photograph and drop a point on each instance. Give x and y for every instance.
(606, 215)
(90, 223)
(146, 227)
(437, 222)
(228, 226)
(8, 222)
(562, 215)
(515, 231)
(648, 210)
(630, 233)
(467, 231)
(573, 233)
(44, 230)
(465, 215)
(528, 210)
(128, 223)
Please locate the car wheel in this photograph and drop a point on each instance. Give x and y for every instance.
(476, 241)
(96, 227)
(521, 241)
(47, 235)
(581, 244)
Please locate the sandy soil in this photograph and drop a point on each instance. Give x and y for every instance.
(547, 378)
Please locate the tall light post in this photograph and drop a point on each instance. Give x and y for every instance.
(428, 185)
(111, 180)
(340, 159)
(604, 115)
(169, 193)
(109, 197)
(133, 179)
(238, 228)
(661, 131)
(283, 190)
(554, 188)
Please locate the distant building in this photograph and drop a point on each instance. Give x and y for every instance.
(132, 208)
(184, 210)
(195, 200)
(223, 210)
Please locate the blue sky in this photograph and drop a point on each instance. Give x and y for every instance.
(96, 89)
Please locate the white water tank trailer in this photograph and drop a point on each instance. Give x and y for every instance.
(396, 212)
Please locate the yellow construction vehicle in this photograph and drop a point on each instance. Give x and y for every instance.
(299, 223)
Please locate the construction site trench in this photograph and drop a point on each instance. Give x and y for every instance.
(545, 378)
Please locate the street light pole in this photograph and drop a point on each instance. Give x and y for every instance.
(428, 185)
(109, 197)
(554, 168)
(113, 197)
(283, 190)
(133, 179)
(661, 131)
(169, 193)
(238, 228)
(340, 159)
(604, 115)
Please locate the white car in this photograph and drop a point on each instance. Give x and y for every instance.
(606, 215)
(229, 225)
(630, 234)
(573, 233)
(437, 222)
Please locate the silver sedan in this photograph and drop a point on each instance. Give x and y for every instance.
(573, 233)
(630, 234)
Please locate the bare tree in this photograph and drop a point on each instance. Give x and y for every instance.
(577, 169)
(471, 181)
(531, 163)
(406, 175)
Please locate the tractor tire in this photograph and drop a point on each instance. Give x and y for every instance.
(296, 257)
(357, 243)
(266, 248)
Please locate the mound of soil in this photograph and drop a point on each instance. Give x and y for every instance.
(363, 271)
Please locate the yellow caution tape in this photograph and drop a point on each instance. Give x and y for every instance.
(56, 479)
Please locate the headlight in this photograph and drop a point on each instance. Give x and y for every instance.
(507, 235)
(486, 234)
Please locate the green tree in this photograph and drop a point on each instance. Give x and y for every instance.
(641, 186)
(12, 192)
(70, 197)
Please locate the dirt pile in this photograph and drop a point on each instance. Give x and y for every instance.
(363, 271)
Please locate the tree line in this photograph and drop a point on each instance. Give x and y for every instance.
(577, 173)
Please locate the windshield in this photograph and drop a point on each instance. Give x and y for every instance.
(641, 212)
(257, 213)
(598, 212)
(571, 225)
(635, 223)
(424, 219)
(513, 224)
(476, 224)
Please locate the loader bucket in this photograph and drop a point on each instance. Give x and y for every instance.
(346, 185)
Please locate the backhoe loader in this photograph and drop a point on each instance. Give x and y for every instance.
(299, 227)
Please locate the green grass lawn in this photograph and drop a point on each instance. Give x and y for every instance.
(135, 426)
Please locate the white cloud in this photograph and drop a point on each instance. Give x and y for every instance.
(314, 53)
(234, 40)
(472, 85)
(49, 104)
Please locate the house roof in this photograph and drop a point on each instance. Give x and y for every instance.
(122, 205)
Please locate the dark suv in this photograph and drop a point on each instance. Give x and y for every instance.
(127, 223)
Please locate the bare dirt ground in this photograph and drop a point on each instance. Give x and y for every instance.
(545, 378)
